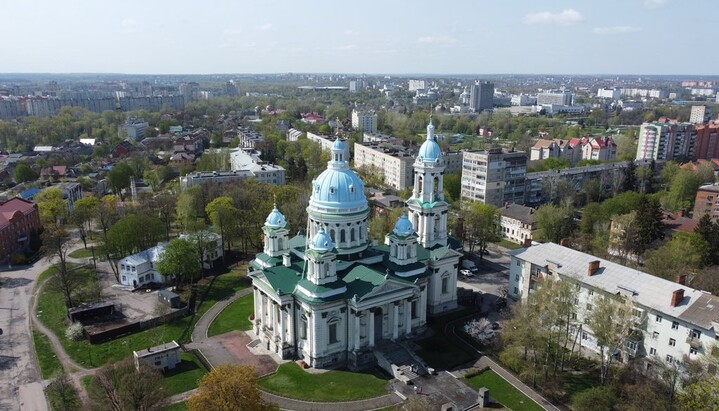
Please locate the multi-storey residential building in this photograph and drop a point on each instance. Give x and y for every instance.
(246, 159)
(555, 97)
(214, 177)
(453, 162)
(706, 142)
(324, 141)
(294, 134)
(700, 114)
(140, 269)
(600, 148)
(518, 223)
(539, 185)
(609, 93)
(665, 139)
(673, 322)
(494, 176)
(18, 219)
(364, 120)
(414, 85)
(394, 162)
(135, 128)
(250, 138)
(190, 90)
(557, 148)
(707, 202)
(481, 96)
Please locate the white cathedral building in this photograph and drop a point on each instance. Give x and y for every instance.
(330, 297)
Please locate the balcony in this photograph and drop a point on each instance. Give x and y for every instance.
(694, 342)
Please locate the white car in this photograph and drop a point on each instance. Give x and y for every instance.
(466, 273)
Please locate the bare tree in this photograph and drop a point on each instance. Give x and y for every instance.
(121, 387)
(55, 246)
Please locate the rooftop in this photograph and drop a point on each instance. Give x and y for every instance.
(157, 349)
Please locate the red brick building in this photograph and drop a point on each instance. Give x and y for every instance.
(707, 202)
(18, 218)
(706, 144)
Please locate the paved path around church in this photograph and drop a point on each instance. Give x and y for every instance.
(223, 349)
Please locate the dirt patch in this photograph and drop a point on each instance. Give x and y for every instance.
(236, 342)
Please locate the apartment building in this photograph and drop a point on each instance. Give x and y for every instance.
(394, 162)
(707, 202)
(665, 139)
(364, 120)
(246, 159)
(555, 97)
(518, 223)
(673, 322)
(539, 184)
(706, 141)
(494, 176)
(18, 219)
(481, 96)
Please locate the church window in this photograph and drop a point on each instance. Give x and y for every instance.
(414, 308)
(280, 244)
(303, 327)
(333, 333)
(352, 234)
(352, 188)
(332, 190)
(445, 285)
(342, 236)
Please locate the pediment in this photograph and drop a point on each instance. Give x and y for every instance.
(386, 288)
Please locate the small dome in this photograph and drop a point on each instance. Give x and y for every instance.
(275, 219)
(339, 145)
(403, 226)
(429, 152)
(322, 241)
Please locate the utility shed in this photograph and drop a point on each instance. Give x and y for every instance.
(169, 298)
(163, 357)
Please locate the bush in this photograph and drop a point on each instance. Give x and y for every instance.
(18, 259)
(75, 332)
(595, 399)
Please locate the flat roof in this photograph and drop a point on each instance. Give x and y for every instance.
(157, 349)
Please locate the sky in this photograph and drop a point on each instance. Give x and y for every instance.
(367, 36)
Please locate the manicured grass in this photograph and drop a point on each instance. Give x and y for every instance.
(292, 381)
(50, 365)
(185, 376)
(502, 391)
(83, 253)
(51, 311)
(508, 244)
(180, 406)
(234, 317)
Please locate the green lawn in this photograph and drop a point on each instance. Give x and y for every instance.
(292, 381)
(186, 376)
(508, 244)
(502, 391)
(83, 253)
(234, 317)
(46, 358)
(51, 311)
(179, 406)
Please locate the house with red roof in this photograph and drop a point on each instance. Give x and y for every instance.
(18, 218)
(600, 148)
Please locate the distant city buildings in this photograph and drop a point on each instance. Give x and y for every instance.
(555, 97)
(364, 120)
(665, 139)
(135, 128)
(414, 85)
(609, 93)
(249, 159)
(700, 114)
(481, 96)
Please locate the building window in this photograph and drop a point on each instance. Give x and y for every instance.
(414, 308)
(670, 359)
(303, 328)
(124, 278)
(333, 332)
(636, 312)
(445, 285)
(516, 291)
(692, 351)
(574, 316)
(632, 345)
(696, 334)
(659, 318)
(652, 351)
(675, 325)
(655, 334)
(672, 342)
(584, 336)
(589, 307)
(591, 292)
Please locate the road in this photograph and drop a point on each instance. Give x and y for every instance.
(20, 382)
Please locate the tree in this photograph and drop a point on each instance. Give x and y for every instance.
(684, 252)
(555, 222)
(481, 226)
(595, 399)
(54, 240)
(228, 388)
(119, 178)
(23, 173)
(179, 259)
(222, 214)
(610, 320)
(648, 223)
(120, 387)
(709, 231)
(82, 214)
(129, 235)
(702, 395)
(682, 190)
(62, 395)
(52, 206)
(630, 177)
(189, 206)
(453, 186)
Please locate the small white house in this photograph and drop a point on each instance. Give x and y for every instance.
(163, 357)
(212, 245)
(518, 223)
(140, 269)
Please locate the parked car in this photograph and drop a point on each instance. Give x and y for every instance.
(466, 273)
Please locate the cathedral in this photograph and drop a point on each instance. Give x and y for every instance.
(328, 297)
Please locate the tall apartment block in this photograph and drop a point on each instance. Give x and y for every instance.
(481, 96)
(494, 176)
(700, 114)
(396, 165)
(556, 97)
(706, 141)
(364, 120)
(665, 140)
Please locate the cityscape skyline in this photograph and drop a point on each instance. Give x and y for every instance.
(523, 37)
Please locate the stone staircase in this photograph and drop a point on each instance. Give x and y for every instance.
(399, 361)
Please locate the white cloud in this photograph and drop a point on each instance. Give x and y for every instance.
(350, 32)
(232, 32)
(655, 4)
(265, 27)
(616, 30)
(129, 26)
(346, 47)
(436, 40)
(564, 18)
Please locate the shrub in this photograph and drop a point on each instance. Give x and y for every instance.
(18, 259)
(75, 332)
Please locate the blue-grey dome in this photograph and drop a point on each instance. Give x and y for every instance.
(322, 241)
(338, 189)
(403, 226)
(339, 145)
(429, 152)
(275, 219)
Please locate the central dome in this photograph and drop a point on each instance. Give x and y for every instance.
(338, 188)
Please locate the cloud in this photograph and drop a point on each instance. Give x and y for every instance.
(232, 32)
(438, 40)
(346, 47)
(616, 30)
(350, 32)
(129, 26)
(655, 4)
(265, 27)
(564, 18)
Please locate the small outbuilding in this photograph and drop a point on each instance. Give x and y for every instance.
(169, 298)
(163, 357)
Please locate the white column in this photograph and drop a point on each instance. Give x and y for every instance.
(256, 296)
(273, 312)
(395, 323)
(283, 323)
(357, 331)
(408, 317)
(290, 324)
(263, 322)
(371, 328)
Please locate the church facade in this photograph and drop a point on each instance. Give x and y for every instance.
(329, 297)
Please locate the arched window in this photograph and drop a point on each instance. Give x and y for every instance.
(280, 244)
(332, 235)
(342, 236)
(352, 234)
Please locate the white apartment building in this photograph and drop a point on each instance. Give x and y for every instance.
(665, 140)
(249, 159)
(140, 269)
(555, 97)
(673, 322)
(214, 177)
(396, 166)
(324, 141)
(364, 120)
(294, 134)
(494, 176)
(415, 85)
(610, 93)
